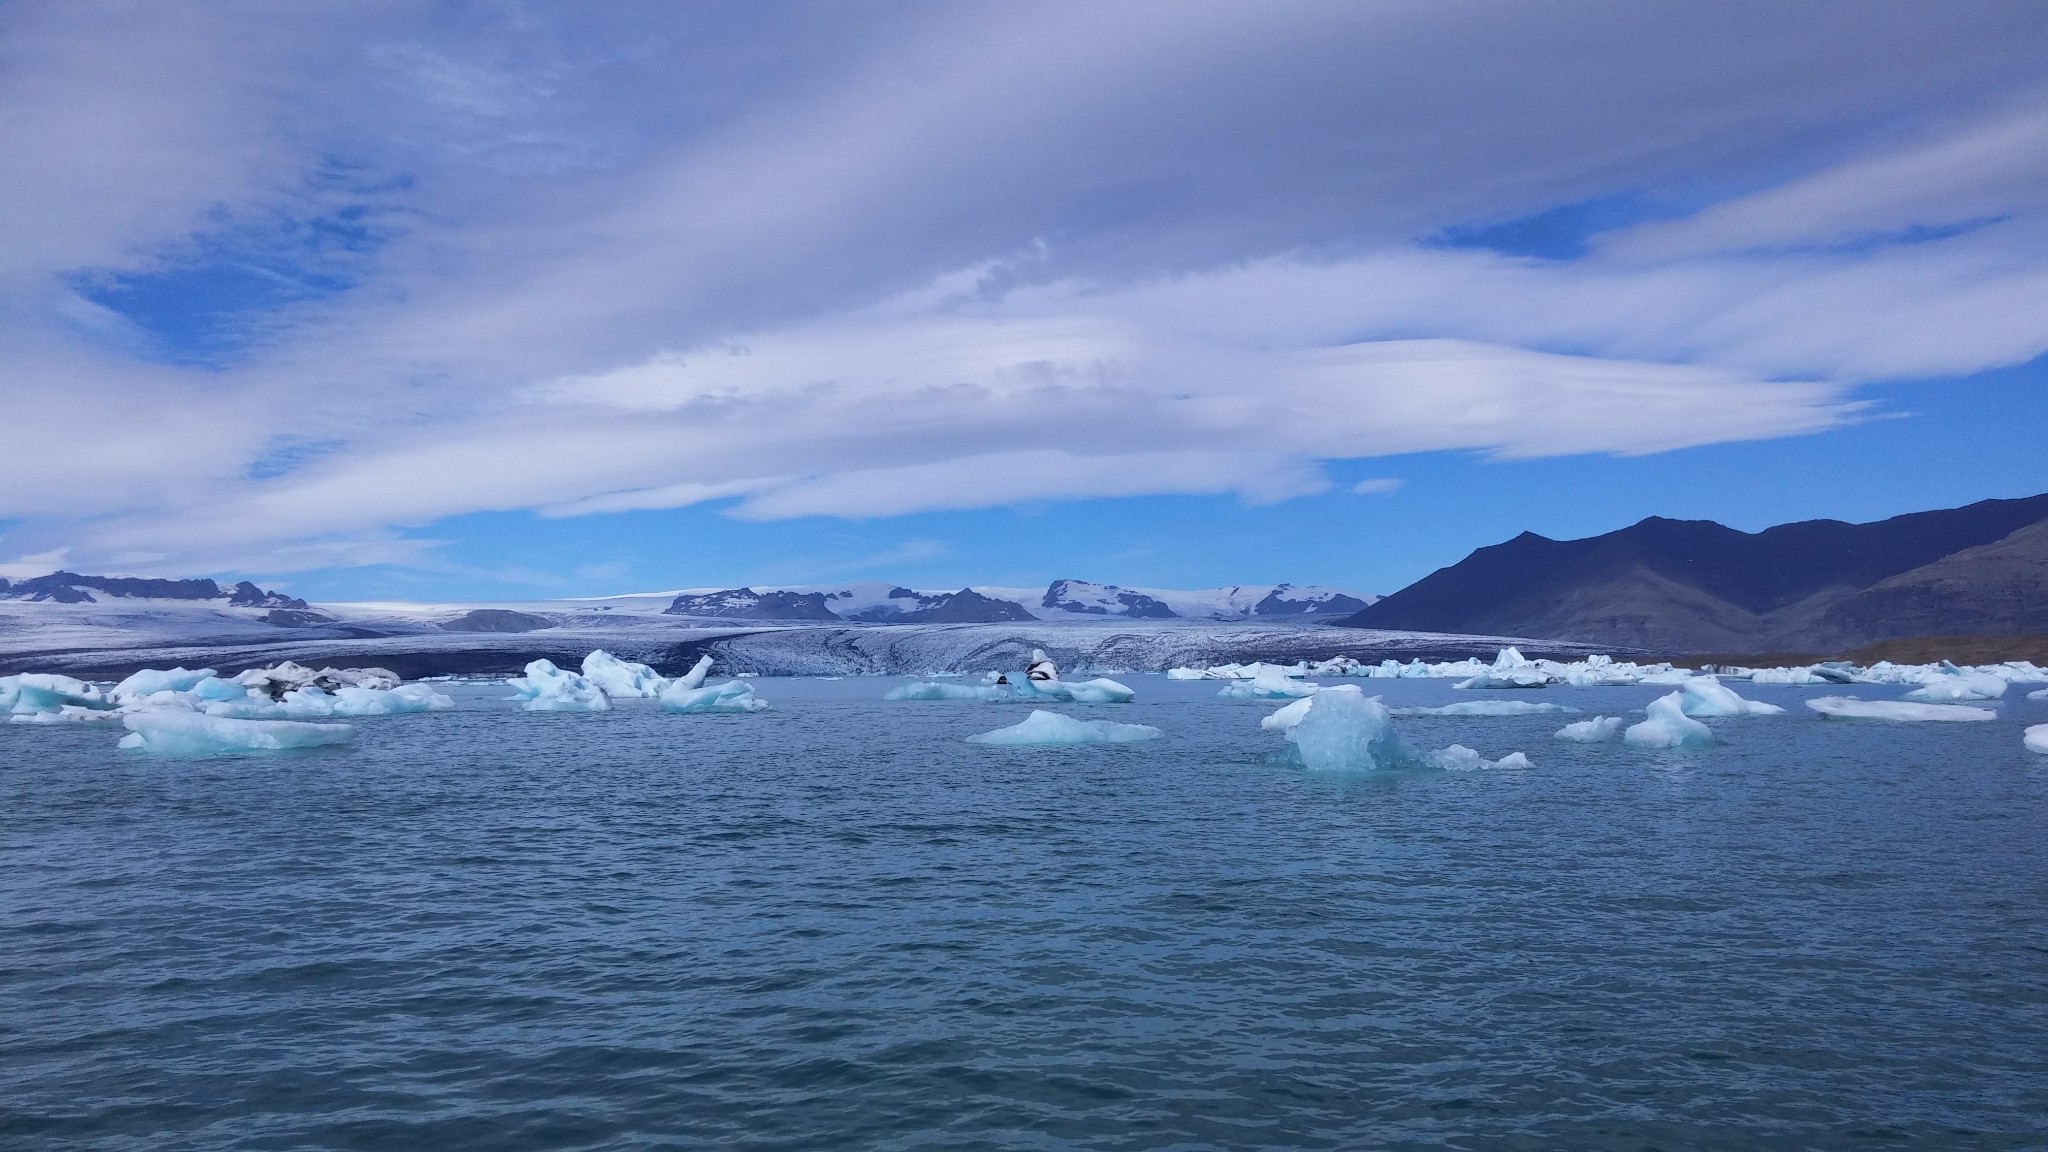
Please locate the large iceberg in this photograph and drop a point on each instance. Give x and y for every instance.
(622, 679)
(311, 703)
(2036, 738)
(175, 733)
(731, 696)
(274, 682)
(1099, 691)
(33, 692)
(1346, 732)
(1486, 708)
(1594, 731)
(1669, 726)
(1290, 715)
(150, 681)
(1851, 708)
(1707, 696)
(546, 688)
(1042, 727)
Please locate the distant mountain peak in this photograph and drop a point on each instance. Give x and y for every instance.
(75, 588)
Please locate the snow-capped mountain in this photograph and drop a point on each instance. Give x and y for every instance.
(879, 603)
(72, 588)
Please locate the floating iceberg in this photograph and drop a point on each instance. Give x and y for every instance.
(68, 714)
(1509, 678)
(731, 696)
(622, 679)
(1851, 708)
(1290, 715)
(934, 690)
(1669, 727)
(694, 678)
(1346, 732)
(310, 703)
(1706, 696)
(1268, 682)
(1458, 758)
(1486, 708)
(2036, 738)
(1042, 727)
(151, 681)
(1086, 692)
(32, 692)
(274, 682)
(2042, 694)
(1959, 685)
(1594, 731)
(174, 733)
(546, 688)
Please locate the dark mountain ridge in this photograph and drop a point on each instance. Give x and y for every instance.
(1695, 585)
(73, 588)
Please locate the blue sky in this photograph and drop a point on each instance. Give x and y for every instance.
(507, 300)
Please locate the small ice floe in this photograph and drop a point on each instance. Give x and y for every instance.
(546, 688)
(1953, 687)
(170, 732)
(1458, 758)
(1851, 708)
(622, 679)
(2038, 694)
(1487, 708)
(1509, 678)
(934, 690)
(2036, 739)
(1669, 727)
(731, 696)
(1707, 696)
(1097, 691)
(1042, 727)
(1595, 731)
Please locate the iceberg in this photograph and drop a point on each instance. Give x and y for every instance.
(622, 679)
(1099, 691)
(1851, 708)
(1959, 685)
(934, 690)
(1042, 727)
(1346, 732)
(731, 696)
(389, 701)
(2042, 694)
(546, 688)
(1041, 667)
(317, 703)
(1594, 731)
(1707, 696)
(1458, 758)
(1510, 678)
(1669, 727)
(694, 678)
(45, 692)
(1486, 708)
(68, 714)
(2036, 739)
(274, 682)
(174, 733)
(1289, 715)
(1269, 682)
(151, 681)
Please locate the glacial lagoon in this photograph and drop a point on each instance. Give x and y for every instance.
(836, 923)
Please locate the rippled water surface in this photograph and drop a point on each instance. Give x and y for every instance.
(836, 925)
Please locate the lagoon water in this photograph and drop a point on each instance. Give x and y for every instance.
(837, 925)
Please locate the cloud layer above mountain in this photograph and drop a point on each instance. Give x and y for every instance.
(277, 287)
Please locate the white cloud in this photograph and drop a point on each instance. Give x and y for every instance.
(1376, 487)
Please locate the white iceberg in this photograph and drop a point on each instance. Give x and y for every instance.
(2042, 694)
(1099, 691)
(622, 679)
(1042, 727)
(150, 681)
(694, 678)
(1346, 732)
(1594, 731)
(175, 733)
(731, 696)
(1486, 708)
(1458, 758)
(934, 690)
(1509, 678)
(1707, 696)
(1851, 708)
(68, 714)
(546, 688)
(1041, 667)
(1290, 715)
(1269, 682)
(1669, 727)
(2036, 738)
(1960, 685)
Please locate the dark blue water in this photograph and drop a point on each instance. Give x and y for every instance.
(835, 925)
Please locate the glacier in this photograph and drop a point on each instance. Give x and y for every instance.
(174, 733)
(1042, 727)
(1852, 708)
(1669, 727)
(1594, 731)
(546, 688)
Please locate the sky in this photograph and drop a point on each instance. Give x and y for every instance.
(499, 300)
